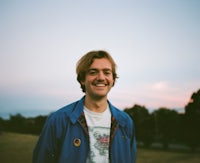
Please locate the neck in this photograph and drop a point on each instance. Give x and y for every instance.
(99, 105)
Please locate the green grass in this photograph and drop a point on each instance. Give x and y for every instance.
(17, 148)
(159, 156)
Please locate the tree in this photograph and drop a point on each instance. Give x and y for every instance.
(166, 125)
(38, 123)
(1, 125)
(16, 123)
(192, 121)
(143, 123)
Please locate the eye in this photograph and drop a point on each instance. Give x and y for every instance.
(107, 72)
(92, 72)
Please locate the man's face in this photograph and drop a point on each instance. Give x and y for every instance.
(99, 78)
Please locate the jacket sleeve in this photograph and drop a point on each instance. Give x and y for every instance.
(134, 146)
(45, 150)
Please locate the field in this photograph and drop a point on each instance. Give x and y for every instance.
(17, 148)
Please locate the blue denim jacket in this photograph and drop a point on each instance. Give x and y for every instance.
(65, 137)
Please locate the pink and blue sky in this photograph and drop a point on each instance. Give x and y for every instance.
(155, 43)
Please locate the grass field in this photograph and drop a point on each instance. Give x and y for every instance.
(17, 148)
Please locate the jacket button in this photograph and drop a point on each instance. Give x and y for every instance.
(77, 142)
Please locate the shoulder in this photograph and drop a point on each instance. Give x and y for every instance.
(124, 120)
(62, 113)
(122, 117)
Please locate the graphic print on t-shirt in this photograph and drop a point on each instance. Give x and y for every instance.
(99, 139)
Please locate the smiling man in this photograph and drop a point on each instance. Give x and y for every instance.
(91, 129)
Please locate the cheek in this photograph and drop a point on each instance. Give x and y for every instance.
(88, 81)
(112, 82)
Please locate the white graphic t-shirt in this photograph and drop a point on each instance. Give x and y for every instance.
(99, 134)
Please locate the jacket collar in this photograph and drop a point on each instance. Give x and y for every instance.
(78, 110)
(118, 116)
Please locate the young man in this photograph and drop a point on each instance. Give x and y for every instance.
(91, 129)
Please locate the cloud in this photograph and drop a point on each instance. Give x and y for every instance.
(160, 86)
(154, 94)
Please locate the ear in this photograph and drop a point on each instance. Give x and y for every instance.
(82, 83)
(113, 82)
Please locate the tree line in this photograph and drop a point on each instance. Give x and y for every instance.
(163, 125)
(167, 126)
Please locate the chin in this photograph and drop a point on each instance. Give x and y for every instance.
(99, 96)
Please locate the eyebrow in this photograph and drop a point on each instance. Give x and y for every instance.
(96, 69)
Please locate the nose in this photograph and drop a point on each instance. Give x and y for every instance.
(100, 76)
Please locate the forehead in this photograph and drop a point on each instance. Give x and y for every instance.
(101, 63)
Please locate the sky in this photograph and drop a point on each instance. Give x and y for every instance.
(155, 43)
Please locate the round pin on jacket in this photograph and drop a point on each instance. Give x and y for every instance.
(77, 142)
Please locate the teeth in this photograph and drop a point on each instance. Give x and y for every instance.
(100, 85)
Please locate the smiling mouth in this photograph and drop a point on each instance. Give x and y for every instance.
(100, 84)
